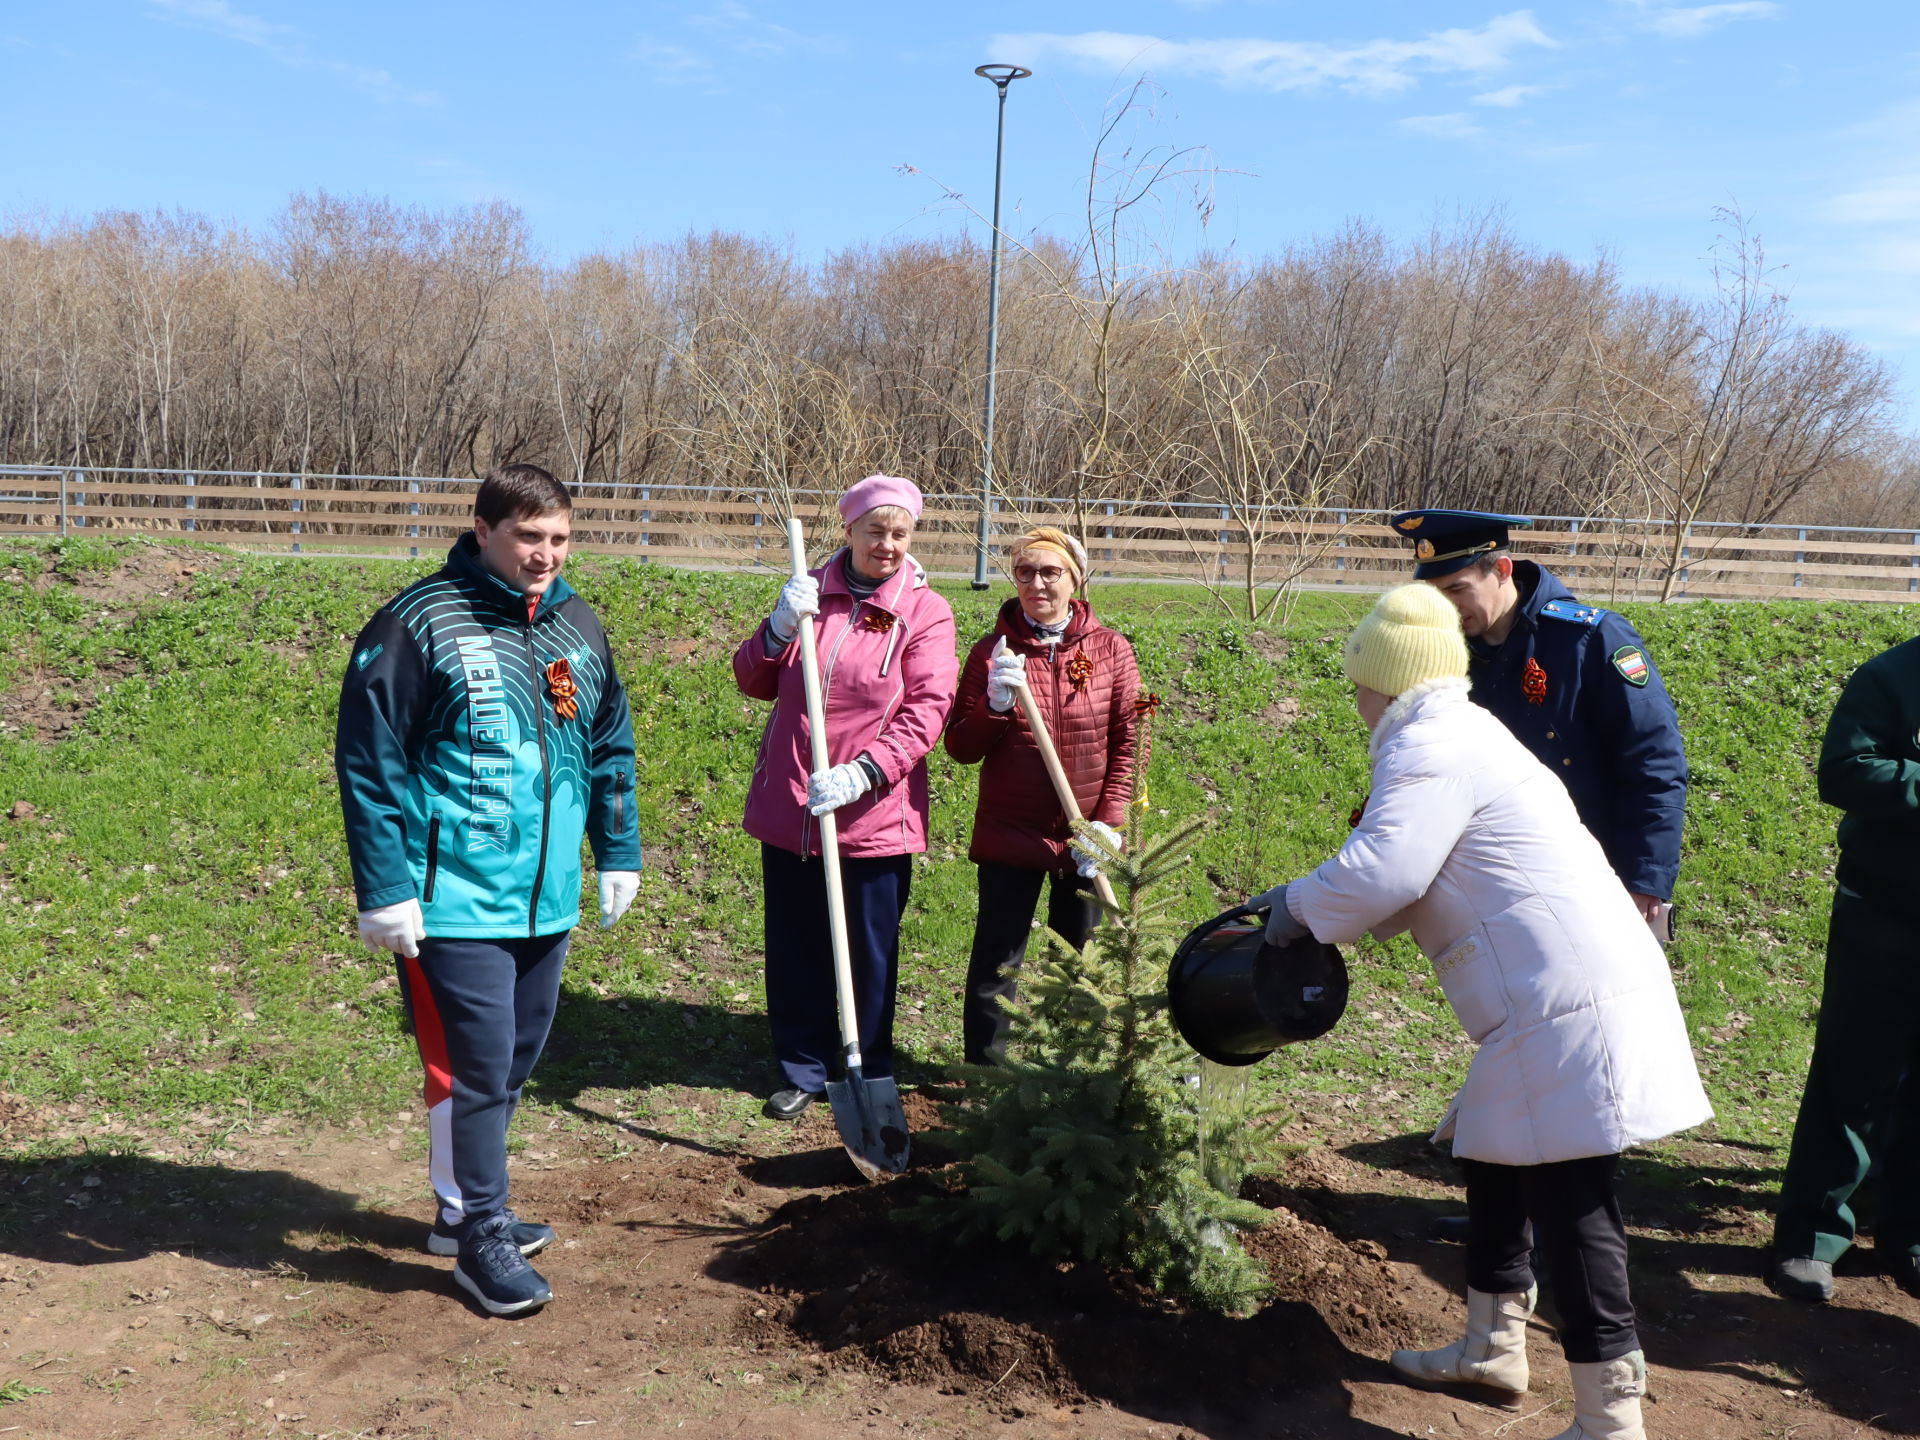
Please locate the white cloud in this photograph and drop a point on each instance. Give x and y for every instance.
(1511, 96)
(672, 64)
(1894, 200)
(1371, 67)
(745, 33)
(283, 44)
(1441, 127)
(1684, 22)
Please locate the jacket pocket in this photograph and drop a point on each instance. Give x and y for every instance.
(1473, 985)
(433, 859)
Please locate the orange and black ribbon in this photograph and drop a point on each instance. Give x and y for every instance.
(1080, 670)
(1145, 707)
(560, 685)
(1533, 682)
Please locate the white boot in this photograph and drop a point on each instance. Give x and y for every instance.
(1492, 1357)
(1606, 1399)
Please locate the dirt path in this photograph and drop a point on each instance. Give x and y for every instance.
(275, 1285)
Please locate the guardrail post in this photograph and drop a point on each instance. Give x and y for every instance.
(646, 519)
(1340, 543)
(1573, 546)
(413, 530)
(1225, 515)
(63, 502)
(1913, 581)
(1800, 556)
(759, 521)
(299, 506)
(193, 503)
(1107, 509)
(79, 499)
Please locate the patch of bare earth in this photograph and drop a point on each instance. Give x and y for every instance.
(48, 704)
(278, 1287)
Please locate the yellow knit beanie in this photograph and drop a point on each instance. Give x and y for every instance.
(1411, 634)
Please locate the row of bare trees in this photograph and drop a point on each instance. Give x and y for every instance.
(1463, 367)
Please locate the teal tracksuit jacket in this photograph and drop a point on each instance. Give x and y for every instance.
(461, 782)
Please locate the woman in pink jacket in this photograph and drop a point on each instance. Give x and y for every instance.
(888, 667)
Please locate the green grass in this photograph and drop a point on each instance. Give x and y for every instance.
(176, 920)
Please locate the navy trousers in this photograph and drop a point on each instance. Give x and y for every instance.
(481, 1010)
(801, 1008)
(1009, 895)
(1566, 1213)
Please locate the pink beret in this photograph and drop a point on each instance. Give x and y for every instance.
(878, 490)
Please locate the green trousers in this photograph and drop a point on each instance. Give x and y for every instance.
(1862, 1101)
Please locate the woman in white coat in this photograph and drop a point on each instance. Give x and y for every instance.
(1471, 844)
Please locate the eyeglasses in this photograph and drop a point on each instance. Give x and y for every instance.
(1042, 575)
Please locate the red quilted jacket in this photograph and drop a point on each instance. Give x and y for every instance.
(1018, 820)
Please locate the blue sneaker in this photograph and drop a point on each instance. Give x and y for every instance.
(493, 1271)
(444, 1239)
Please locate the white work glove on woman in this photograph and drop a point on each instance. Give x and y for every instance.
(1087, 860)
(799, 599)
(842, 785)
(1282, 928)
(398, 927)
(617, 889)
(1006, 673)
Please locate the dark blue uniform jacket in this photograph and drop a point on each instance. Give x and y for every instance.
(1595, 712)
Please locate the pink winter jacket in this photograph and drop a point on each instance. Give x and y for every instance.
(888, 667)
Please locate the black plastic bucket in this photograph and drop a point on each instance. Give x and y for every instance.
(1236, 999)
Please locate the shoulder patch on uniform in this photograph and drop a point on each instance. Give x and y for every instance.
(1631, 662)
(1574, 611)
(366, 657)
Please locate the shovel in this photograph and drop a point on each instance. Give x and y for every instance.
(872, 1124)
(1030, 708)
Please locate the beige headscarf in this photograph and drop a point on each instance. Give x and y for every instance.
(1054, 542)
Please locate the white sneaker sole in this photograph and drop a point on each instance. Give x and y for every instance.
(497, 1307)
(447, 1248)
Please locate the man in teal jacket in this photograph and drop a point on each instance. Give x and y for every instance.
(1862, 1101)
(483, 732)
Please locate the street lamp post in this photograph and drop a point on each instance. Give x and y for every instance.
(1001, 76)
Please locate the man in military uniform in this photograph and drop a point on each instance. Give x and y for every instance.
(1575, 685)
(1862, 1100)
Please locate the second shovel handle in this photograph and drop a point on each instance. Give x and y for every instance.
(1062, 787)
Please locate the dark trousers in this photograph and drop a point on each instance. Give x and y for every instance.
(1862, 1101)
(481, 1010)
(1001, 929)
(1567, 1212)
(801, 1005)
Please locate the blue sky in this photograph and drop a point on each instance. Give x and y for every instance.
(1605, 124)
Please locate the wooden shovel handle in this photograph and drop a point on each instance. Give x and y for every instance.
(1030, 708)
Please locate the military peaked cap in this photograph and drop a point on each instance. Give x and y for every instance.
(1448, 540)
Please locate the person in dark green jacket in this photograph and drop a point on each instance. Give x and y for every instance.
(483, 733)
(1862, 1100)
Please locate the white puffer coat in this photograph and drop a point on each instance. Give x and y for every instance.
(1471, 843)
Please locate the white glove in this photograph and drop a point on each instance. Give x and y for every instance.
(398, 927)
(617, 889)
(1006, 673)
(799, 598)
(1282, 928)
(1085, 858)
(843, 784)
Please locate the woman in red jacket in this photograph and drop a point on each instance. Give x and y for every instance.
(1085, 679)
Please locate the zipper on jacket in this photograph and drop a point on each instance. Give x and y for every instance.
(893, 637)
(546, 780)
(433, 858)
(619, 802)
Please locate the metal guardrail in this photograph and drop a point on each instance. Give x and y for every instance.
(720, 527)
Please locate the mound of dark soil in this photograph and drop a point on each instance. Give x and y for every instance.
(851, 1274)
